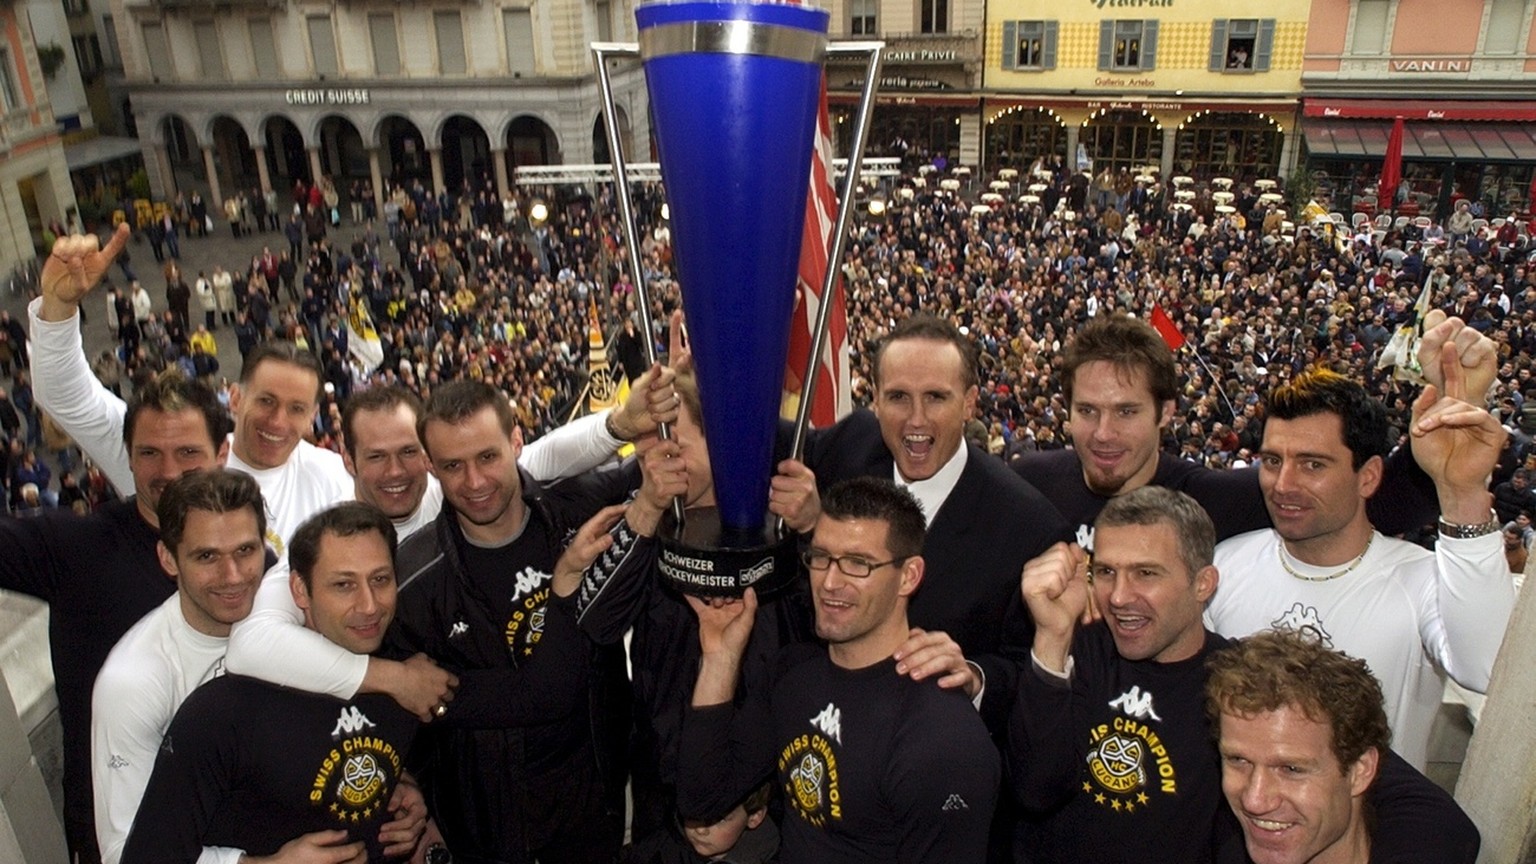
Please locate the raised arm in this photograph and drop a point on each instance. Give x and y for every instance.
(62, 381)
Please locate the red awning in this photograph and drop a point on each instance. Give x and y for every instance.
(1419, 109)
(1475, 142)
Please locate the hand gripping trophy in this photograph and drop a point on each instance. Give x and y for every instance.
(734, 93)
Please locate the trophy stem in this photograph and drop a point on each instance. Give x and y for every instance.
(839, 230)
(601, 51)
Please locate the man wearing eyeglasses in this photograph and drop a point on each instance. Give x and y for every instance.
(874, 765)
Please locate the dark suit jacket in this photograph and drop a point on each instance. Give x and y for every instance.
(991, 524)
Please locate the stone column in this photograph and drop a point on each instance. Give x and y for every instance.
(1170, 143)
(261, 170)
(314, 164)
(499, 160)
(1498, 775)
(970, 142)
(435, 155)
(215, 195)
(1072, 132)
(1288, 153)
(376, 174)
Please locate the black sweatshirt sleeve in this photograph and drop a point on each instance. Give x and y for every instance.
(1042, 762)
(614, 591)
(196, 766)
(727, 750)
(1417, 820)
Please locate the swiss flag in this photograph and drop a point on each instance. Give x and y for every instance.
(834, 391)
(1166, 328)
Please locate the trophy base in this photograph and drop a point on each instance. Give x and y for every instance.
(707, 559)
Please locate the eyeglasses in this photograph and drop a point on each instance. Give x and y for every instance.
(851, 565)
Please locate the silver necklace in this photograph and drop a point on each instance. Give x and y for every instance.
(1280, 552)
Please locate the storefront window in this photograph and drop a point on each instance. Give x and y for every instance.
(1017, 138)
(1242, 146)
(1122, 139)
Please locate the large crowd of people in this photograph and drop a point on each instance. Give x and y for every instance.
(487, 578)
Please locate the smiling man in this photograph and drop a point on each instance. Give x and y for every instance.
(280, 772)
(1110, 751)
(1303, 737)
(211, 527)
(983, 522)
(1408, 612)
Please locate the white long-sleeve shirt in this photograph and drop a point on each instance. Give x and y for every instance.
(1402, 610)
(150, 672)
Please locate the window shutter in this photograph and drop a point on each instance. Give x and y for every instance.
(1264, 46)
(1148, 44)
(1048, 49)
(1218, 44)
(1106, 44)
(1010, 44)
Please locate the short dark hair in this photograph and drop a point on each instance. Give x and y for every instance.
(346, 519)
(1159, 505)
(457, 401)
(283, 351)
(1320, 390)
(170, 392)
(384, 398)
(1274, 669)
(1129, 344)
(925, 326)
(214, 490)
(883, 501)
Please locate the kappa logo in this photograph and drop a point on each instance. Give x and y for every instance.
(1299, 618)
(830, 721)
(528, 581)
(955, 802)
(1136, 704)
(117, 761)
(1085, 537)
(459, 628)
(350, 722)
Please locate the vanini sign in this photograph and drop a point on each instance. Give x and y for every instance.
(1463, 65)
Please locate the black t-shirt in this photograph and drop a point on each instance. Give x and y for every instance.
(873, 766)
(250, 765)
(1118, 764)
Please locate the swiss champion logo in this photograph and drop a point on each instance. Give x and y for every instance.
(1136, 704)
(351, 722)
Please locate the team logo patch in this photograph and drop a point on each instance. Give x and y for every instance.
(1127, 761)
(357, 777)
(808, 769)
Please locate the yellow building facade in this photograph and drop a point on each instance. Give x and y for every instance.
(1198, 88)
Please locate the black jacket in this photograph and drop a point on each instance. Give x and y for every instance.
(541, 713)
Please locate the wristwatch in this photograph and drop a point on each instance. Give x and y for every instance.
(437, 853)
(1467, 532)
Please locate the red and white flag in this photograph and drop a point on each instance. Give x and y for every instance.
(834, 390)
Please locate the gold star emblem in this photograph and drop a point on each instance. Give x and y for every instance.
(353, 816)
(1115, 803)
(1141, 797)
(1129, 807)
(1086, 787)
(527, 652)
(1099, 798)
(333, 807)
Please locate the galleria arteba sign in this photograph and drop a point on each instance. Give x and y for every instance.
(327, 96)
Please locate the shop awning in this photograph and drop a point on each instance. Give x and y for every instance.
(99, 150)
(1420, 109)
(1502, 142)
